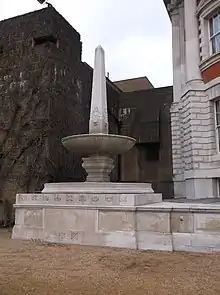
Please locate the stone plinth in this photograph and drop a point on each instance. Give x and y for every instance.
(115, 217)
(83, 213)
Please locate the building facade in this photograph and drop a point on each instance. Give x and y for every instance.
(196, 103)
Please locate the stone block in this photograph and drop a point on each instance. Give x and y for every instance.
(69, 219)
(109, 221)
(182, 222)
(27, 233)
(19, 216)
(33, 218)
(206, 222)
(154, 241)
(153, 222)
(120, 239)
(181, 241)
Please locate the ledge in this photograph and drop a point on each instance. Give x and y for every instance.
(209, 61)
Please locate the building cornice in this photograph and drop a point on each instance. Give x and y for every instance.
(173, 6)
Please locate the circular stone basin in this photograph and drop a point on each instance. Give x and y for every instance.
(88, 144)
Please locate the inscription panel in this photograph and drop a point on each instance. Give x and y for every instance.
(74, 199)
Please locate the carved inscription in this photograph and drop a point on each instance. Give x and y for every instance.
(95, 199)
(46, 198)
(109, 199)
(34, 197)
(62, 235)
(123, 199)
(74, 235)
(22, 198)
(57, 198)
(82, 198)
(70, 199)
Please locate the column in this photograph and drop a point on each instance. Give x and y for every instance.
(176, 55)
(182, 46)
(191, 41)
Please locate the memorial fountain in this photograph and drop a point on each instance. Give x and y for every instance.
(102, 213)
(80, 212)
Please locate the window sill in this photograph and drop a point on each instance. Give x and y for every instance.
(209, 61)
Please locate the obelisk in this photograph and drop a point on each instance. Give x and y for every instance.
(98, 122)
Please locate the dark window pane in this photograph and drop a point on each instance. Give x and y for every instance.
(215, 24)
(217, 42)
(213, 45)
(217, 106)
(218, 119)
(211, 27)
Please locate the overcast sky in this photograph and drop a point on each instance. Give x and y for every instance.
(136, 35)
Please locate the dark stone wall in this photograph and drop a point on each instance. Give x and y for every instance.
(44, 95)
(145, 115)
(24, 105)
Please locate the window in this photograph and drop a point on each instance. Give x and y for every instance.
(45, 39)
(216, 187)
(217, 120)
(214, 24)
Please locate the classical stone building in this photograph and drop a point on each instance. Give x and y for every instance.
(45, 91)
(196, 107)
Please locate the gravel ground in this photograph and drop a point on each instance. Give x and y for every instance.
(36, 268)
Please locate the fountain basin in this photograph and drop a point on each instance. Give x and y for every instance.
(89, 144)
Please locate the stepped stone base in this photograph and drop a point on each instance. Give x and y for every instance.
(115, 216)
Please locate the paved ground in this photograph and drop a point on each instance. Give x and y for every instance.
(36, 268)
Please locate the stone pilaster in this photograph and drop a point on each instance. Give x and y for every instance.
(176, 36)
(191, 41)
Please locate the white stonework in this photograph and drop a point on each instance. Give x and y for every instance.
(118, 220)
(196, 160)
(98, 122)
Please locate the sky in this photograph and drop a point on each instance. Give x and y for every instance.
(136, 35)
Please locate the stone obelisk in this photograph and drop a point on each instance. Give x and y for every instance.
(98, 166)
(98, 122)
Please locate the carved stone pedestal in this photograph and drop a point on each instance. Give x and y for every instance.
(98, 168)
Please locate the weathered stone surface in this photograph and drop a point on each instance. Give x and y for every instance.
(116, 221)
(182, 222)
(163, 226)
(157, 241)
(69, 220)
(207, 223)
(33, 218)
(153, 222)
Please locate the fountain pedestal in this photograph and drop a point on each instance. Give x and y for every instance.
(98, 168)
